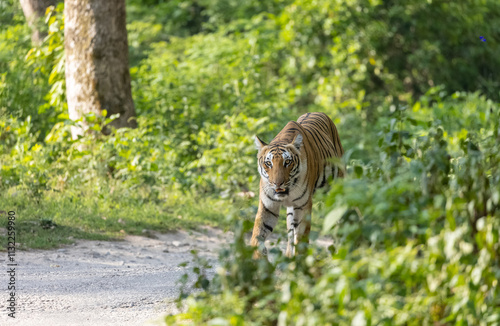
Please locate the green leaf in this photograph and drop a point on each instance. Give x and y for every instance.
(333, 218)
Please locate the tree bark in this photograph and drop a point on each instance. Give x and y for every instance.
(97, 72)
(33, 11)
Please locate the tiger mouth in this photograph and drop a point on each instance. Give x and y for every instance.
(281, 191)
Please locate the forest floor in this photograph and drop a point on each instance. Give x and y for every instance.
(108, 283)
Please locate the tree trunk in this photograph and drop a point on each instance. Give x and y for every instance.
(97, 72)
(33, 11)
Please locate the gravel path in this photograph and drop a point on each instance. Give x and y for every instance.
(106, 283)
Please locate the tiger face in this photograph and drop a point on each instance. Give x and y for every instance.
(280, 166)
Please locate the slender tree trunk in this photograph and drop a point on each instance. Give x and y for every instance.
(33, 11)
(97, 72)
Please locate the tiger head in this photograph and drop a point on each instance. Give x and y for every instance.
(280, 164)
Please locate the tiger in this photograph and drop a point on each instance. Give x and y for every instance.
(292, 166)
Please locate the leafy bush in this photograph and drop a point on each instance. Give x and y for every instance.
(417, 241)
(203, 94)
(21, 91)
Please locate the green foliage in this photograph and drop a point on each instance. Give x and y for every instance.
(417, 242)
(415, 222)
(48, 60)
(247, 69)
(21, 91)
(32, 80)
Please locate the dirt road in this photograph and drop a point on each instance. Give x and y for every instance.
(128, 282)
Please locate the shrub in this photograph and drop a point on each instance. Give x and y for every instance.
(416, 237)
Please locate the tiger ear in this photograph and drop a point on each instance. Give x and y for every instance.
(297, 141)
(259, 143)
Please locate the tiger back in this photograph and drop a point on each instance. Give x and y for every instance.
(292, 166)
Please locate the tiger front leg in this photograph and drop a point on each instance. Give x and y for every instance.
(265, 221)
(298, 222)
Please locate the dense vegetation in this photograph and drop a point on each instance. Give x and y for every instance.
(417, 234)
(411, 87)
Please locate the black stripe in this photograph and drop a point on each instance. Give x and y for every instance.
(301, 206)
(323, 142)
(271, 198)
(321, 149)
(277, 148)
(303, 117)
(289, 214)
(268, 227)
(301, 195)
(316, 182)
(324, 176)
(326, 125)
(267, 210)
(317, 125)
